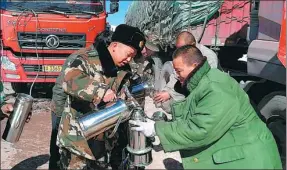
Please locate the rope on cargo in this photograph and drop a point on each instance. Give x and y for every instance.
(204, 26)
(169, 17)
(180, 18)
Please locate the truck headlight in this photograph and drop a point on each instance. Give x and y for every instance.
(7, 64)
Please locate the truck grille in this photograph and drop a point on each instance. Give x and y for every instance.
(32, 68)
(47, 41)
(43, 76)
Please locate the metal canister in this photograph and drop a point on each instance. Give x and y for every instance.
(16, 121)
(142, 90)
(158, 116)
(139, 147)
(96, 122)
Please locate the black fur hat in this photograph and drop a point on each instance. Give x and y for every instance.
(130, 36)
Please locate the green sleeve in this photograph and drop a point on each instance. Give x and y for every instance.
(214, 114)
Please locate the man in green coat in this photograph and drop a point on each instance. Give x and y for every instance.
(215, 126)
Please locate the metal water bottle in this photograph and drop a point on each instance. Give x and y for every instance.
(142, 90)
(139, 147)
(96, 122)
(16, 121)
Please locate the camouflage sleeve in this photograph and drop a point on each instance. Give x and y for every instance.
(79, 83)
(121, 80)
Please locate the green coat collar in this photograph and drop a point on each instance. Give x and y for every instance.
(196, 75)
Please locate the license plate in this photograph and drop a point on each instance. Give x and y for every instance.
(52, 68)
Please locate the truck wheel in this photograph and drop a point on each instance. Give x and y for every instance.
(20, 87)
(273, 108)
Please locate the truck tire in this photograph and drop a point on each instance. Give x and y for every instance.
(273, 108)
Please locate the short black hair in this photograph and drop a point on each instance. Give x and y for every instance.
(190, 54)
(187, 37)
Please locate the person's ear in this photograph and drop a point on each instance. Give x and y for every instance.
(114, 46)
(194, 65)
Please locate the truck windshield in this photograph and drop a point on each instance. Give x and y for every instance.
(60, 6)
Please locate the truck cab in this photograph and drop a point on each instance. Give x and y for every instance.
(37, 36)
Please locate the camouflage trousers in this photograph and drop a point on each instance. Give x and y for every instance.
(114, 147)
(69, 160)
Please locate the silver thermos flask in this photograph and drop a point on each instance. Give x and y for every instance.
(139, 146)
(97, 122)
(16, 121)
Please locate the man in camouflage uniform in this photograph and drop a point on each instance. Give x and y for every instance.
(91, 77)
(58, 102)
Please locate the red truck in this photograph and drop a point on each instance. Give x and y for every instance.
(246, 36)
(37, 36)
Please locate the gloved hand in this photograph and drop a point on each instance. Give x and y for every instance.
(147, 128)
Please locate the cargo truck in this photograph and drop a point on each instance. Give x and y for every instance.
(37, 36)
(246, 36)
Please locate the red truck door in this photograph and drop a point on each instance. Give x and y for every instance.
(282, 42)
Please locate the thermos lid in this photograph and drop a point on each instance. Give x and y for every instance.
(158, 116)
(138, 114)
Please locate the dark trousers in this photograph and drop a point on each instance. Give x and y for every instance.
(116, 154)
(54, 149)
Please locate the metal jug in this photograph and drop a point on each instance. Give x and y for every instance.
(139, 147)
(16, 121)
(142, 90)
(97, 122)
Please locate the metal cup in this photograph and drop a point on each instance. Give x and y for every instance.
(16, 121)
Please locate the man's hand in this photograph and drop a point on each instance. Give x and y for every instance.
(161, 97)
(7, 109)
(29, 117)
(109, 96)
(147, 128)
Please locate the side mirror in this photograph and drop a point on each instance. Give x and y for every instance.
(114, 7)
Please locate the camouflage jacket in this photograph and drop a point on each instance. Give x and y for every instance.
(85, 80)
(59, 95)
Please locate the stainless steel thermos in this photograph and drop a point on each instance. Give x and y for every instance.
(97, 122)
(139, 146)
(16, 121)
(141, 90)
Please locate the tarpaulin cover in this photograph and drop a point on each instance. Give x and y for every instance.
(163, 19)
